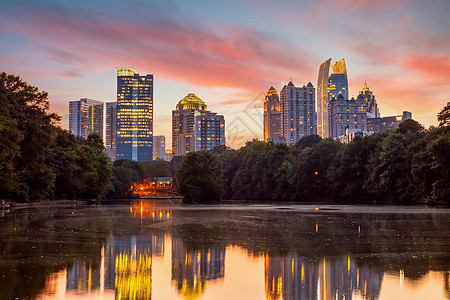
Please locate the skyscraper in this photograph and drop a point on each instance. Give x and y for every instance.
(159, 147)
(272, 115)
(134, 115)
(183, 124)
(85, 117)
(298, 116)
(194, 128)
(111, 129)
(330, 83)
(371, 105)
(209, 130)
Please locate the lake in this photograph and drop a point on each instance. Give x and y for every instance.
(162, 250)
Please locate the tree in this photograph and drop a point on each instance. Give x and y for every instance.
(444, 116)
(30, 128)
(200, 177)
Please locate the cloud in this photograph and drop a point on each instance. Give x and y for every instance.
(234, 56)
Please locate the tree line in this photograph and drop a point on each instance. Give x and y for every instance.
(410, 164)
(40, 160)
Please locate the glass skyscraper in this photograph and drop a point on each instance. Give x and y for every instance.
(134, 115)
(111, 129)
(330, 83)
(85, 117)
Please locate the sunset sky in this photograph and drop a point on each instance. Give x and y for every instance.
(230, 52)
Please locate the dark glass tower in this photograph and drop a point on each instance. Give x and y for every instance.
(134, 115)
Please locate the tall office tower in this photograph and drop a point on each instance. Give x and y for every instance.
(298, 116)
(331, 83)
(85, 117)
(111, 129)
(134, 115)
(272, 115)
(183, 124)
(209, 130)
(159, 147)
(371, 105)
(346, 117)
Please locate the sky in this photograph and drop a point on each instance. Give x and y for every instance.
(230, 52)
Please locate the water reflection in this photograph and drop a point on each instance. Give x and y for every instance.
(207, 253)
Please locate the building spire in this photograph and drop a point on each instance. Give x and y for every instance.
(365, 88)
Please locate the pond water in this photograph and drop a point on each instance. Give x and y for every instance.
(161, 250)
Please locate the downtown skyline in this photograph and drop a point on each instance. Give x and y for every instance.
(230, 55)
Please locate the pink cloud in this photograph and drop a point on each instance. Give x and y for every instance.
(237, 57)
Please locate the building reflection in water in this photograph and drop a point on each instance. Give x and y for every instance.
(191, 269)
(126, 263)
(296, 277)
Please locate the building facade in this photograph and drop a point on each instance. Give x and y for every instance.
(331, 82)
(378, 125)
(272, 115)
(159, 147)
(86, 117)
(168, 155)
(346, 117)
(298, 116)
(371, 105)
(134, 115)
(209, 130)
(183, 124)
(111, 129)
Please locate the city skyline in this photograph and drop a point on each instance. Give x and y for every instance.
(229, 56)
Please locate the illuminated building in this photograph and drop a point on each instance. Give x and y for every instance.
(111, 129)
(371, 105)
(168, 155)
(298, 116)
(378, 125)
(86, 117)
(159, 147)
(272, 115)
(209, 130)
(330, 83)
(194, 128)
(134, 115)
(183, 124)
(346, 116)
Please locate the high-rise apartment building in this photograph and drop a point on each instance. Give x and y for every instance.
(272, 115)
(111, 129)
(86, 117)
(194, 128)
(134, 115)
(345, 117)
(183, 124)
(330, 83)
(209, 130)
(159, 147)
(378, 125)
(298, 116)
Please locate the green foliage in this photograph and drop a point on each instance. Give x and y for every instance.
(39, 160)
(201, 172)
